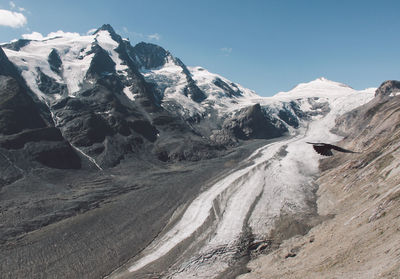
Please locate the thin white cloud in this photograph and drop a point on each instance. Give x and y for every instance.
(33, 36)
(61, 33)
(134, 35)
(91, 31)
(12, 19)
(38, 36)
(226, 50)
(14, 7)
(155, 37)
(140, 36)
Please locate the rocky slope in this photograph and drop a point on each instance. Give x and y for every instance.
(359, 196)
(113, 101)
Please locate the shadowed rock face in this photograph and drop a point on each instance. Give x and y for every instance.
(49, 85)
(101, 64)
(17, 109)
(55, 61)
(150, 55)
(17, 45)
(251, 123)
(26, 135)
(8, 69)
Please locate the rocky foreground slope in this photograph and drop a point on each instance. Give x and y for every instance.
(360, 196)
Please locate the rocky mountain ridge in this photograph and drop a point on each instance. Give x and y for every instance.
(110, 100)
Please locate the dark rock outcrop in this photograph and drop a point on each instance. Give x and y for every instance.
(227, 89)
(8, 69)
(150, 56)
(17, 45)
(252, 123)
(49, 85)
(27, 135)
(17, 109)
(55, 61)
(388, 87)
(101, 64)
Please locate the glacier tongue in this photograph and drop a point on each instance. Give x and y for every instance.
(277, 179)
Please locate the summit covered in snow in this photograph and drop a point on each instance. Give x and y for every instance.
(109, 98)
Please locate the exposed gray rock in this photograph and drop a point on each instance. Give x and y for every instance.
(17, 109)
(150, 55)
(55, 61)
(252, 123)
(101, 64)
(49, 85)
(9, 69)
(17, 45)
(388, 87)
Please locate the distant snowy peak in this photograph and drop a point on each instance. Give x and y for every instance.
(320, 87)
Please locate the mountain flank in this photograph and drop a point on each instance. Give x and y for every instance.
(360, 196)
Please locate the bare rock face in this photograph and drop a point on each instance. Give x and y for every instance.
(252, 123)
(7, 68)
(17, 110)
(27, 141)
(150, 55)
(388, 87)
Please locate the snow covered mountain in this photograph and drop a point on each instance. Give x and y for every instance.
(110, 99)
(101, 156)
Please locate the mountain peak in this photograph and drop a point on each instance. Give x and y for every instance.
(109, 29)
(323, 81)
(105, 27)
(317, 88)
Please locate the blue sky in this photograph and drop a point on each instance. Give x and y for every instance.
(267, 46)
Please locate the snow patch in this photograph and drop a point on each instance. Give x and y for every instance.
(129, 93)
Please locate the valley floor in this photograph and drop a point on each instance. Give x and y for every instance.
(84, 224)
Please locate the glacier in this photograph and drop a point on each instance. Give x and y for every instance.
(277, 179)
